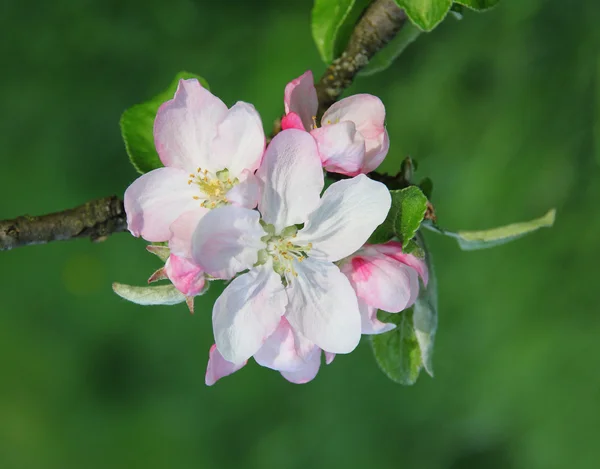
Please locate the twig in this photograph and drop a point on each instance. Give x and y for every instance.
(96, 220)
(100, 218)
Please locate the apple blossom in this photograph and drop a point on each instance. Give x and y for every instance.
(385, 278)
(352, 138)
(210, 154)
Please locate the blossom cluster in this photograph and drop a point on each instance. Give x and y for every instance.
(301, 280)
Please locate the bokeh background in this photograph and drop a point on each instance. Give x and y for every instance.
(500, 110)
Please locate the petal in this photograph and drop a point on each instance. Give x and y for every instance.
(291, 178)
(307, 372)
(300, 96)
(291, 121)
(218, 367)
(186, 125)
(182, 230)
(383, 282)
(155, 200)
(369, 321)
(323, 306)
(329, 358)
(247, 192)
(187, 276)
(341, 148)
(247, 312)
(376, 150)
(365, 110)
(279, 350)
(240, 141)
(227, 241)
(393, 249)
(349, 212)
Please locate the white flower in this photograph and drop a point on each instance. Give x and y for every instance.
(291, 268)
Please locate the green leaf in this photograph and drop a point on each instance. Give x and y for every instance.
(397, 352)
(332, 24)
(425, 316)
(426, 14)
(478, 5)
(137, 125)
(159, 295)
(384, 232)
(409, 205)
(473, 240)
(386, 56)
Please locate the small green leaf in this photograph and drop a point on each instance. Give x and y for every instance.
(137, 125)
(384, 232)
(457, 11)
(386, 56)
(397, 352)
(414, 249)
(409, 205)
(332, 24)
(160, 295)
(426, 14)
(478, 5)
(425, 317)
(473, 240)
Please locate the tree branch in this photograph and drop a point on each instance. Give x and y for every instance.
(100, 218)
(379, 24)
(96, 220)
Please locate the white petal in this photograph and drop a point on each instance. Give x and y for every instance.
(349, 212)
(182, 230)
(292, 179)
(341, 148)
(247, 312)
(155, 200)
(186, 126)
(227, 241)
(307, 372)
(323, 306)
(218, 367)
(370, 323)
(247, 192)
(279, 350)
(240, 141)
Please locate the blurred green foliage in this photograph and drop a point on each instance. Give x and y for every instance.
(501, 111)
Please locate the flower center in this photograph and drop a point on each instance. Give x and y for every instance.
(283, 251)
(214, 187)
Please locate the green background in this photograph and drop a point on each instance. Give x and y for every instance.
(500, 110)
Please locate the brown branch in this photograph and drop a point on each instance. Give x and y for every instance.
(379, 24)
(96, 220)
(100, 218)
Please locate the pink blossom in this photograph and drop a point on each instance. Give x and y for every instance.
(385, 278)
(352, 138)
(210, 154)
(285, 351)
(291, 271)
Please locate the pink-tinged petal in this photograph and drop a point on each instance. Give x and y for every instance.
(349, 212)
(279, 350)
(370, 323)
(341, 148)
(365, 110)
(376, 151)
(247, 312)
(382, 282)
(301, 97)
(247, 192)
(292, 121)
(329, 358)
(307, 372)
(240, 141)
(155, 200)
(186, 126)
(393, 249)
(323, 306)
(182, 230)
(291, 178)
(187, 276)
(218, 367)
(227, 241)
